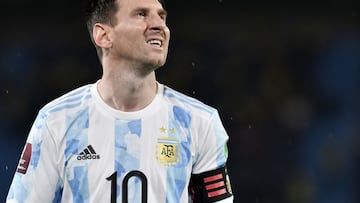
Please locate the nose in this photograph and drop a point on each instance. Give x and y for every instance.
(156, 23)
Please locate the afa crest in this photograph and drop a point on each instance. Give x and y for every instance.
(167, 151)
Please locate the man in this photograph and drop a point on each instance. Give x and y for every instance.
(126, 138)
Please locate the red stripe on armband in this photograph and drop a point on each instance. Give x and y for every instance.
(213, 178)
(215, 185)
(217, 193)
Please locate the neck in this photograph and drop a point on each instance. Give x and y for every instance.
(125, 90)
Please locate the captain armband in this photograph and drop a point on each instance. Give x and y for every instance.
(210, 186)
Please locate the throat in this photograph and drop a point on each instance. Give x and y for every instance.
(127, 97)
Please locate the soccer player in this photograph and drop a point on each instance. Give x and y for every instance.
(125, 138)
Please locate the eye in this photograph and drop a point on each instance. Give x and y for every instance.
(163, 16)
(141, 13)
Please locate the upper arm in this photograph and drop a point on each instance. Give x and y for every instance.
(211, 149)
(210, 181)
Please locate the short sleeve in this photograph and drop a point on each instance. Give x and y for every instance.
(211, 149)
(210, 180)
(36, 178)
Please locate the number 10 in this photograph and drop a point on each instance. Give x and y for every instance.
(139, 174)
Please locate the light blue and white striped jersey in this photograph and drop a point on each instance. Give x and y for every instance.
(81, 150)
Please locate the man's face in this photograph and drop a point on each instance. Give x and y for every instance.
(140, 34)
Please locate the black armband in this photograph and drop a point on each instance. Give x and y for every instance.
(210, 186)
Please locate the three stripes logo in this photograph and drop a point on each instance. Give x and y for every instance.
(88, 153)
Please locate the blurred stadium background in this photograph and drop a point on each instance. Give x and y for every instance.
(285, 76)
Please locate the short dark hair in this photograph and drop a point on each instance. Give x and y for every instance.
(101, 11)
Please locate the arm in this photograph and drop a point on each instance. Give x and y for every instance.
(36, 178)
(210, 180)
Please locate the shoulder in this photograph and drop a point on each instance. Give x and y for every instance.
(71, 101)
(191, 104)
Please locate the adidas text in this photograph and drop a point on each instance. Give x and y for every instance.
(88, 156)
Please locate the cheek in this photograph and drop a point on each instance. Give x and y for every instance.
(128, 30)
(168, 33)
(126, 38)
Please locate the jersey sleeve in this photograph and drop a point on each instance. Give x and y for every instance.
(211, 158)
(37, 178)
(211, 146)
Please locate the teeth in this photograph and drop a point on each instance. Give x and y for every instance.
(154, 42)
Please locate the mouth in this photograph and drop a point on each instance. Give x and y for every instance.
(155, 43)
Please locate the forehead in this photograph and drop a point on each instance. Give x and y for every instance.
(134, 4)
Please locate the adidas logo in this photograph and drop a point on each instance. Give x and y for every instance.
(88, 153)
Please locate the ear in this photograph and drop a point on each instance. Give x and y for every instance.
(101, 35)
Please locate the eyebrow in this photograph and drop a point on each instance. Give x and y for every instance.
(160, 11)
(163, 12)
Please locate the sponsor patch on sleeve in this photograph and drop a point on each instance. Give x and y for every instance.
(25, 159)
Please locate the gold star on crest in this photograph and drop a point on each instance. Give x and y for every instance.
(162, 129)
(173, 131)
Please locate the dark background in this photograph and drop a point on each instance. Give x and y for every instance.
(284, 75)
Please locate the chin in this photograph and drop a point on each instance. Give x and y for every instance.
(158, 62)
(161, 63)
(154, 65)
(158, 65)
